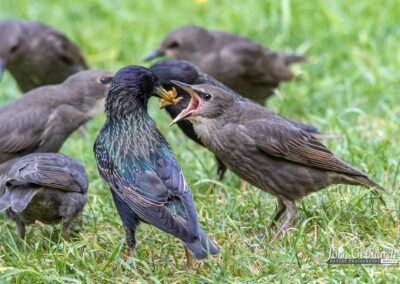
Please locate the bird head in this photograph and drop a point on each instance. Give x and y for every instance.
(10, 43)
(182, 43)
(207, 102)
(174, 69)
(132, 87)
(88, 89)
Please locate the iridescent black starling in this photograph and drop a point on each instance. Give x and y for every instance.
(247, 67)
(186, 72)
(265, 149)
(42, 119)
(37, 55)
(134, 158)
(47, 187)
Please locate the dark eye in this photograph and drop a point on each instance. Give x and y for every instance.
(105, 80)
(174, 44)
(207, 96)
(14, 48)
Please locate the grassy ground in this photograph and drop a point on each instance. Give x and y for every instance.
(349, 86)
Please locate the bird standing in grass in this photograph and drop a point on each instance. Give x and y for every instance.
(266, 150)
(37, 55)
(43, 119)
(47, 187)
(247, 67)
(134, 158)
(186, 72)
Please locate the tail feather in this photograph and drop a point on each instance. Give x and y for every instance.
(201, 245)
(5, 201)
(20, 198)
(367, 182)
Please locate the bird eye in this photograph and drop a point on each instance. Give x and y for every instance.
(207, 96)
(174, 44)
(105, 80)
(14, 48)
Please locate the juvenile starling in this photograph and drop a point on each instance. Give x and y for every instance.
(134, 158)
(37, 55)
(42, 120)
(186, 72)
(47, 187)
(245, 66)
(265, 149)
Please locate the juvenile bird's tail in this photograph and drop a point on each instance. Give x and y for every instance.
(200, 246)
(363, 180)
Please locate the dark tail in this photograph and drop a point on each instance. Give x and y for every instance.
(363, 180)
(201, 245)
(292, 58)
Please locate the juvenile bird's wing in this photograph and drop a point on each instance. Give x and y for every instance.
(293, 144)
(21, 133)
(255, 63)
(157, 193)
(50, 170)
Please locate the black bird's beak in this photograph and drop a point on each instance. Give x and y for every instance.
(155, 53)
(194, 102)
(2, 68)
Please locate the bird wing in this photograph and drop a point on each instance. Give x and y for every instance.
(21, 134)
(157, 193)
(255, 63)
(50, 170)
(294, 145)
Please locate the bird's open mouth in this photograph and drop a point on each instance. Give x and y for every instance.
(193, 104)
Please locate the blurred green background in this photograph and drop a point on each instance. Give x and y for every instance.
(349, 86)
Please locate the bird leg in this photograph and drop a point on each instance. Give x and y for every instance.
(291, 214)
(279, 212)
(130, 242)
(188, 265)
(20, 228)
(221, 170)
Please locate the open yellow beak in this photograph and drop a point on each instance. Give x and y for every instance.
(192, 107)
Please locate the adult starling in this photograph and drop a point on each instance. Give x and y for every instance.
(186, 72)
(134, 158)
(247, 67)
(265, 149)
(37, 55)
(42, 120)
(47, 187)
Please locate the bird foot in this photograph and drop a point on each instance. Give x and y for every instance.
(172, 95)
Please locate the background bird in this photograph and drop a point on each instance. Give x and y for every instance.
(42, 120)
(186, 72)
(134, 158)
(37, 55)
(265, 149)
(247, 67)
(47, 187)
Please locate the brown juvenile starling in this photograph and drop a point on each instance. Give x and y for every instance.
(264, 149)
(186, 72)
(37, 55)
(245, 66)
(47, 187)
(42, 119)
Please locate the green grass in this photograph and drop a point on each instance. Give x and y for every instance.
(350, 86)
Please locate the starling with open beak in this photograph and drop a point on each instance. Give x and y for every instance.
(43, 118)
(264, 149)
(186, 72)
(47, 187)
(37, 55)
(134, 158)
(243, 65)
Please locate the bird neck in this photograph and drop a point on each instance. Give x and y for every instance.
(126, 107)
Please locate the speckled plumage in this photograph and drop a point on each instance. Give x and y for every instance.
(134, 158)
(47, 187)
(37, 55)
(267, 151)
(252, 70)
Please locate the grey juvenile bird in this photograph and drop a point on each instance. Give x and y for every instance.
(47, 187)
(134, 158)
(37, 55)
(42, 120)
(186, 72)
(245, 66)
(266, 150)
